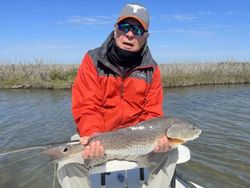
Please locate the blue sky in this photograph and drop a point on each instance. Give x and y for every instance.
(62, 31)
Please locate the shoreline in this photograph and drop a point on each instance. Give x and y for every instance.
(61, 76)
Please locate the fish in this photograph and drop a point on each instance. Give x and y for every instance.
(137, 140)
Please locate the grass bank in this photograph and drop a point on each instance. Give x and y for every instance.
(38, 74)
(181, 75)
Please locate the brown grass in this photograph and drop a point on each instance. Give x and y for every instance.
(38, 74)
(181, 75)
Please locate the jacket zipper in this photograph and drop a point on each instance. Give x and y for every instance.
(122, 79)
(122, 87)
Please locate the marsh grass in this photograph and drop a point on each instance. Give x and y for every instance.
(181, 75)
(38, 74)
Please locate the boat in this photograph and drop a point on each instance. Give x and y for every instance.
(124, 174)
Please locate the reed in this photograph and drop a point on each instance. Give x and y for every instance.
(181, 75)
(38, 74)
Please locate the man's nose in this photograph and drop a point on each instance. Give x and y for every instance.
(130, 34)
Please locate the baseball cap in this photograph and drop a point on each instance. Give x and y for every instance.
(136, 11)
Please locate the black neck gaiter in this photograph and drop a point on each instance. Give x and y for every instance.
(123, 58)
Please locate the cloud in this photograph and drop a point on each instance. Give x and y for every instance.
(37, 47)
(202, 33)
(179, 17)
(229, 12)
(183, 17)
(189, 17)
(50, 51)
(89, 20)
(180, 54)
(207, 13)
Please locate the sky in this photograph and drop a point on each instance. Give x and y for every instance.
(181, 31)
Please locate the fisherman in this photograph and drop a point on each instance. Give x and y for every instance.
(118, 85)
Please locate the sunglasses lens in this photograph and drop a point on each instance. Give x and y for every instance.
(137, 30)
(125, 27)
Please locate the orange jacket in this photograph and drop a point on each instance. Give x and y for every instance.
(103, 101)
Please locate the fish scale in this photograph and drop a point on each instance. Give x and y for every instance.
(138, 140)
(133, 141)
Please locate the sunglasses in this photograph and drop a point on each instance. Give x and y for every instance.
(126, 27)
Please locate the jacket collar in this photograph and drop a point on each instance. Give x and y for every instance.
(147, 60)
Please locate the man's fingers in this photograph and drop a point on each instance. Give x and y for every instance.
(97, 149)
(84, 140)
(92, 151)
(101, 151)
(86, 152)
(162, 145)
(156, 149)
(165, 144)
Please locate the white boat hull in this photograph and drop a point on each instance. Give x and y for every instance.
(126, 174)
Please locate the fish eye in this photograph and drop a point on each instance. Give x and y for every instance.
(65, 150)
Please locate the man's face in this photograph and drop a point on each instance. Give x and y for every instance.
(130, 41)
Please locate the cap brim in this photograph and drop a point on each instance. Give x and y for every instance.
(138, 19)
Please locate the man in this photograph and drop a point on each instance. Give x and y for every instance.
(118, 85)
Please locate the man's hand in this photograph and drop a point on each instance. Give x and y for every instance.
(162, 145)
(93, 150)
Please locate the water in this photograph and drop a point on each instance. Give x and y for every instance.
(220, 157)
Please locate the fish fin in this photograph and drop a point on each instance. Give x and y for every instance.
(90, 163)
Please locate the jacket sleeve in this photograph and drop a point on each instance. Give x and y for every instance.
(154, 99)
(86, 99)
